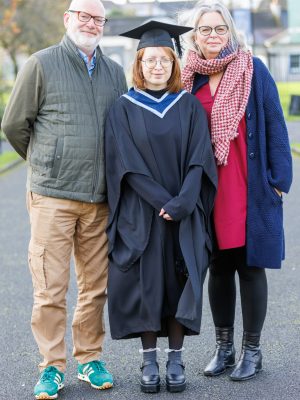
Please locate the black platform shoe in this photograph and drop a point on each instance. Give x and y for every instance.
(250, 362)
(175, 382)
(150, 383)
(224, 356)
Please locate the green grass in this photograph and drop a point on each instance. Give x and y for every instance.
(8, 157)
(296, 146)
(286, 89)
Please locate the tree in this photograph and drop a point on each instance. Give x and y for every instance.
(29, 25)
(9, 28)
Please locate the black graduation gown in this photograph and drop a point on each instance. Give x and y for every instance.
(154, 162)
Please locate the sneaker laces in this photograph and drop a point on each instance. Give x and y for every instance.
(48, 374)
(98, 366)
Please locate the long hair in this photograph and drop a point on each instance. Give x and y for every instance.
(192, 17)
(174, 84)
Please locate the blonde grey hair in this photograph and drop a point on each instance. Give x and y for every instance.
(192, 17)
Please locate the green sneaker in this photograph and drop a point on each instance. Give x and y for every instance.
(96, 374)
(50, 382)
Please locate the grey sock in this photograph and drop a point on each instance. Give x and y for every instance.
(175, 368)
(152, 368)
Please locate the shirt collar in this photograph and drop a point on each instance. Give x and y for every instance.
(90, 65)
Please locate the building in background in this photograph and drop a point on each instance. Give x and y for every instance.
(283, 49)
(270, 27)
(267, 25)
(124, 15)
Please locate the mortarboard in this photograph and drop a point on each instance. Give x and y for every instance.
(157, 34)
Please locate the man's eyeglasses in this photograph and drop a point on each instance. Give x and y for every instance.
(85, 17)
(152, 62)
(207, 30)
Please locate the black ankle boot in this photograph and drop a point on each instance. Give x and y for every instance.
(175, 382)
(150, 383)
(224, 356)
(250, 362)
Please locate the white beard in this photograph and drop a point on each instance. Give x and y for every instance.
(84, 42)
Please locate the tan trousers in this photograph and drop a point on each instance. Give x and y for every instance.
(57, 227)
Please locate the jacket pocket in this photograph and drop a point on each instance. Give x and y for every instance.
(276, 197)
(36, 261)
(57, 157)
(42, 150)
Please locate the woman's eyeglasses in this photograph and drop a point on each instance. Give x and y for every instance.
(207, 30)
(152, 62)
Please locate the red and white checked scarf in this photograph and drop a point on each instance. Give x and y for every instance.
(232, 96)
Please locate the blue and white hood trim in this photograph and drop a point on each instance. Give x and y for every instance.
(159, 106)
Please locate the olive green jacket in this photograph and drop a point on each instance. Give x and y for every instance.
(55, 119)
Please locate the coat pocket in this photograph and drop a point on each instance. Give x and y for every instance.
(276, 197)
(57, 157)
(36, 261)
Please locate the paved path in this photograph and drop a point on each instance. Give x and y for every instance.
(294, 131)
(5, 146)
(280, 379)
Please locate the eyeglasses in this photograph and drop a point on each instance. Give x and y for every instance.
(207, 30)
(85, 17)
(152, 62)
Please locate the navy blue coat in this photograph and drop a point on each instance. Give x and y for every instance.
(269, 165)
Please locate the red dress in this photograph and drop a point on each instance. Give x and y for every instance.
(230, 210)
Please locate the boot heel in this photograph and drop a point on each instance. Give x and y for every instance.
(259, 365)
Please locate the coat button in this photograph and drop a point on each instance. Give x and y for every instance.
(250, 135)
(252, 155)
(249, 115)
(58, 157)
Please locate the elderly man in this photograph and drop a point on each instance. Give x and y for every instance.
(55, 120)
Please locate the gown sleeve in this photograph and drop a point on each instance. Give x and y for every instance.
(130, 216)
(151, 191)
(199, 165)
(183, 205)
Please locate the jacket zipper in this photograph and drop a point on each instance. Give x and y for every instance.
(95, 176)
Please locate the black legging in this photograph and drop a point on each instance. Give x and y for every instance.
(222, 290)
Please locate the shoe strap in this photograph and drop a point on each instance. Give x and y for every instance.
(149, 362)
(178, 362)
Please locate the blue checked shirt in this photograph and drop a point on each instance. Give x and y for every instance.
(90, 65)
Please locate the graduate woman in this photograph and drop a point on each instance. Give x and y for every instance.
(161, 179)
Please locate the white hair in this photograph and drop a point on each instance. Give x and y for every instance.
(74, 3)
(191, 18)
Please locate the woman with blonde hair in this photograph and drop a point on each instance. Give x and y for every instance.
(161, 179)
(252, 153)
